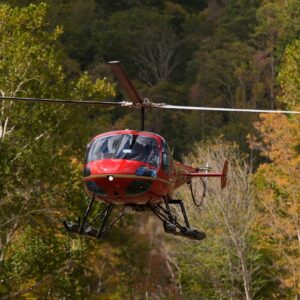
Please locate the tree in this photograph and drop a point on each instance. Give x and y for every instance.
(78, 28)
(278, 24)
(289, 75)
(278, 189)
(40, 169)
(221, 266)
(277, 182)
(23, 66)
(128, 37)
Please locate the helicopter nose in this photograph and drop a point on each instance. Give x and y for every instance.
(119, 188)
(119, 166)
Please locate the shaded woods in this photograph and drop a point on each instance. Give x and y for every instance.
(237, 54)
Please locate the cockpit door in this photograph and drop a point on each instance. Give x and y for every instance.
(166, 158)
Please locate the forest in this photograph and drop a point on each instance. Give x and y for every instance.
(215, 53)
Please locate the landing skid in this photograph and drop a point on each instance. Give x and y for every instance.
(170, 223)
(97, 227)
(85, 227)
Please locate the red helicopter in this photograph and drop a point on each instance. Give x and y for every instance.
(136, 168)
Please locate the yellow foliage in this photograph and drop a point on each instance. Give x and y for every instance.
(278, 186)
(86, 88)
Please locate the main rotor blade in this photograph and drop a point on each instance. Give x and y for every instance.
(167, 106)
(62, 101)
(125, 82)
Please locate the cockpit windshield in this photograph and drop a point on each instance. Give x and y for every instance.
(125, 146)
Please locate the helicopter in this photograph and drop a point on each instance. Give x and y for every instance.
(136, 169)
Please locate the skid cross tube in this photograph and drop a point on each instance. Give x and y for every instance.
(87, 213)
(180, 202)
(163, 215)
(85, 228)
(114, 221)
(100, 215)
(106, 214)
(171, 225)
(168, 209)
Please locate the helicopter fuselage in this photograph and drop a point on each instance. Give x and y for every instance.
(132, 167)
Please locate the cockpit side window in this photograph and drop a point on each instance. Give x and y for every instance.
(166, 160)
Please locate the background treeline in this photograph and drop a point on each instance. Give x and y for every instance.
(217, 53)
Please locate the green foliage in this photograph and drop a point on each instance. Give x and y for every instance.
(238, 20)
(289, 76)
(34, 255)
(127, 37)
(76, 39)
(192, 5)
(28, 61)
(211, 53)
(40, 169)
(221, 266)
(278, 25)
(86, 88)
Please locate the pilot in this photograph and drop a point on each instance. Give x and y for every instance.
(153, 156)
(140, 152)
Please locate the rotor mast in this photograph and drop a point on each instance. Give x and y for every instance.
(142, 119)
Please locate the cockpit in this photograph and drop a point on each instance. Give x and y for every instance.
(125, 146)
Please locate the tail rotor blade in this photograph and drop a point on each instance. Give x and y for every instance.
(224, 175)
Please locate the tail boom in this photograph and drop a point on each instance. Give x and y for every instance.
(223, 175)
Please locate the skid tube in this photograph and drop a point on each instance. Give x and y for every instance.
(85, 228)
(170, 223)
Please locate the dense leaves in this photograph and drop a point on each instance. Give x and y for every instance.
(233, 53)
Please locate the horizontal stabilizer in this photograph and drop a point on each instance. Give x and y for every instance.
(223, 175)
